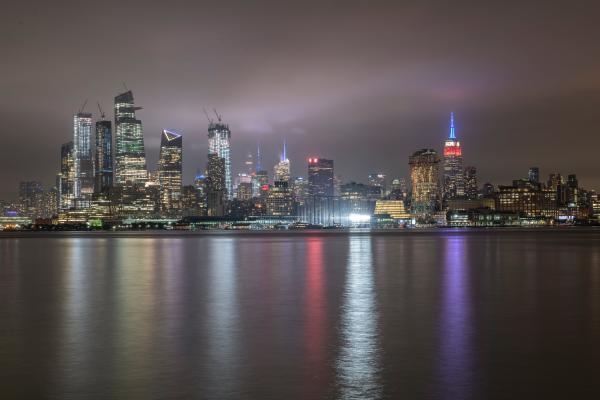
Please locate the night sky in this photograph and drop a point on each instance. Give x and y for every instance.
(364, 83)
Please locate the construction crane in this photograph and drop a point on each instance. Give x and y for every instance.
(83, 106)
(101, 112)
(217, 114)
(210, 121)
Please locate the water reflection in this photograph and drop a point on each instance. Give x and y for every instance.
(75, 349)
(358, 365)
(315, 309)
(456, 365)
(136, 302)
(222, 317)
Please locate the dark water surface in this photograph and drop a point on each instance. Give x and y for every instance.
(442, 314)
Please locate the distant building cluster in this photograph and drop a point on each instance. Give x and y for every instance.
(103, 182)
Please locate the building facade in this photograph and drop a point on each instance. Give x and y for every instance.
(219, 143)
(470, 180)
(424, 175)
(65, 180)
(130, 153)
(453, 178)
(279, 199)
(320, 177)
(82, 157)
(103, 160)
(170, 167)
(215, 186)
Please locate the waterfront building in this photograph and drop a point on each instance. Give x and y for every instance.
(424, 175)
(66, 177)
(49, 203)
(31, 196)
(215, 185)
(191, 201)
(469, 204)
(170, 164)
(219, 143)
(453, 178)
(527, 198)
(394, 208)
(357, 199)
(483, 217)
(130, 153)
(103, 160)
(83, 185)
(279, 199)
(470, 180)
(320, 177)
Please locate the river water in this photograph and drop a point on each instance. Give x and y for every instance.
(441, 314)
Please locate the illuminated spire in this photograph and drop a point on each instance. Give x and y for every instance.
(258, 160)
(452, 135)
(284, 155)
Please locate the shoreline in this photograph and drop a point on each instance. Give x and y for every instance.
(288, 233)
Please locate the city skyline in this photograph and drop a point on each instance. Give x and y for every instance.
(240, 164)
(520, 86)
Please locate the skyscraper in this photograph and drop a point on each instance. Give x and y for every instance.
(130, 154)
(320, 177)
(66, 178)
(572, 190)
(378, 180)
(282, 168)
(82, 156)
(424, 175)
(242, 178)
(31, 195)
(471, 182)
(249, 163)
(215, 185)
(259, 181)
(103, 161)
(279, 199)
(170, 170)
(260, 176)
(534, 175)
(453, 166)
(219, 143)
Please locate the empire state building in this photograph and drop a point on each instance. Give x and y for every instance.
(453, 178)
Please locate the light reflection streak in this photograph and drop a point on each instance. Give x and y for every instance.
(358, 365)
(223, 318)
(315, 309)
(135, 304)
(456, 364)
(75, 349)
